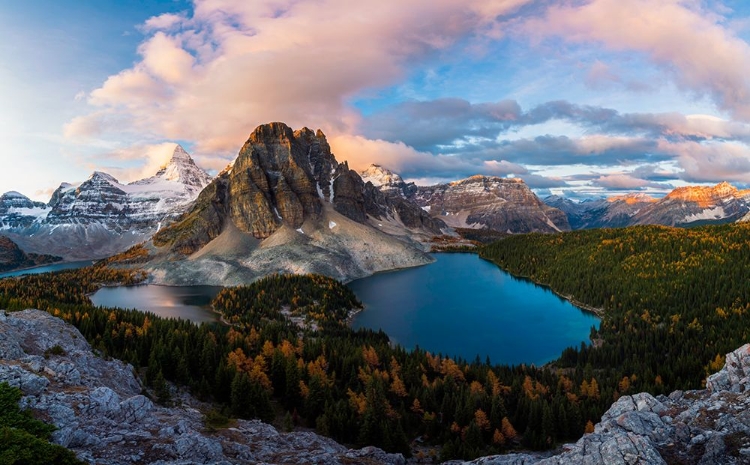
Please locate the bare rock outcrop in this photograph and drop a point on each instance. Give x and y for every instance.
(102, 416)
(710, 426)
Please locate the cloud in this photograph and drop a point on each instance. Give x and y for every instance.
(166, 21)
(213, 76)
(728, 161)
(140, 161)
(601, 76)
(536, 181)
(626, 182)
(684, 39)
(359, 152)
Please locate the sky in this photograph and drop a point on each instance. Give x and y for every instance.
(577, 97)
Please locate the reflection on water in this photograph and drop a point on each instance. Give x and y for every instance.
(187, 302)
(464, 306)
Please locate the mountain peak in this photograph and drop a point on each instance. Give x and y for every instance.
(380, 176)
(632, 198)
(182, 168)
(102, 176)
(14, 195)
(180, 154)
(704, 195)
(270, 132)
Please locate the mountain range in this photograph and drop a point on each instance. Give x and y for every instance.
(684, 206)
(101, 216)
(285, 204)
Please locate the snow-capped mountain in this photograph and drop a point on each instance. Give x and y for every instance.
(387, 181)
(102, 216)
(18, 211)
(287, 205)
(612, 212)
(478, 202)
(684, 206)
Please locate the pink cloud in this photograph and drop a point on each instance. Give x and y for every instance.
(213, 77)
(711, 162)
(680, 36)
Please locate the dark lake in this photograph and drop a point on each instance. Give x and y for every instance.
(186, 302)
(47, 268)
(464, 306)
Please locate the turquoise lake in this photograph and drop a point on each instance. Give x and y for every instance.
(464, 306)
(46, 268)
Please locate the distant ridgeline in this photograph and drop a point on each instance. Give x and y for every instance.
(673, 300)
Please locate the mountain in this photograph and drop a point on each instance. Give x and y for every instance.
(12, 257)
(101, 216)
(612, 212)
(478, 202)
(286, 204)
(18, 211)
(694, 205)
(684, 206)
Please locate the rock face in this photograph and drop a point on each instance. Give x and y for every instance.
(613, 212)
(697, 205)
(684, 206)
(18, 211)
(101, 216)
(501, 204)
(710, 426)
(102, 416)
(12, 257)
(286, 204)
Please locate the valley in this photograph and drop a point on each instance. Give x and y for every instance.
(649, 340)
(479, 362)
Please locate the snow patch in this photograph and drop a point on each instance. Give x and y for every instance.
(332, 224)
(716, 213)
(276, 212)
(552, 225)
(427, 208)
(299, 230)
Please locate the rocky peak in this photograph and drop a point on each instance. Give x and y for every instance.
(271, 133)
(633, 198)
(380, 176)
(704, 196)
(182, 169)
(501, 204)
(17, 200)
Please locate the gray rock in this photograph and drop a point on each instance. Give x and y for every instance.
(135, 409)
(27, 382)
(735, 376)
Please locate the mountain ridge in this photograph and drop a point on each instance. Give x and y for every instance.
(683, 206)
(101, 216)
(288, 205)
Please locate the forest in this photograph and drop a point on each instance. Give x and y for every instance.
(673, 303)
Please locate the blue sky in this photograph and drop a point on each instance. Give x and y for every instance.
(583, 98)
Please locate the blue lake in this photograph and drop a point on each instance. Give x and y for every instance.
(47, 268)
(464, 306)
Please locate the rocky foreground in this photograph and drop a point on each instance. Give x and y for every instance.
(101, 414)
(710, 427)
